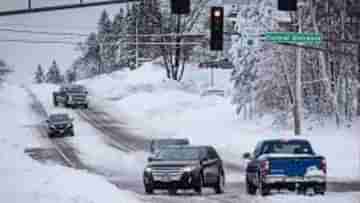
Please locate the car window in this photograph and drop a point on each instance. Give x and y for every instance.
(212, 153)
(257, 151)
(283, 147)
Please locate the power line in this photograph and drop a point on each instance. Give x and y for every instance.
(38, 41)
(43, 32)
(62, 7)
(88, 28)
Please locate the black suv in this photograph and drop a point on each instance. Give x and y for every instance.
(60, 125)
(184, 167)
(157, 144)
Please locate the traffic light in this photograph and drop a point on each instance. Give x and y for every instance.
(216, 28)
(287, 5)
(180, 6)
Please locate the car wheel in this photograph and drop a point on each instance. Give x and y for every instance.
(72, 134)
(86, 106)
(172, 191)
(198, 188)
(149, 189)
(219, 188)
(55, 101)
(250, 188)
(50, 135)
(264, 189)
(320, 190)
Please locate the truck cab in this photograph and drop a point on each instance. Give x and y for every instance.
(285, 163)
(71, 96)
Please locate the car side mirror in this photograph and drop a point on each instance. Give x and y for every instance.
(47, 121)
(247, 155)
(150, 159)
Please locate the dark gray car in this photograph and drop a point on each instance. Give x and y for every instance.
(60, 125)
(184, 167)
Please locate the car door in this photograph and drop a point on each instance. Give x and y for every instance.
(252, 166)
(61, 95)
(211, 166)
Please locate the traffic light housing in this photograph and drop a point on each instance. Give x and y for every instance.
(287, 5)
(180, 6)
(216, 28)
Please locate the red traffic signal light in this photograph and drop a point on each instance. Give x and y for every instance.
(216, 28)
(287, 5)
(180, 6)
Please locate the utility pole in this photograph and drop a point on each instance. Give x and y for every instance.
(137, 37)
(178, 48)
(298, 85)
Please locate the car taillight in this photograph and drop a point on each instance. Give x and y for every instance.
(323, 165)
(264, 167)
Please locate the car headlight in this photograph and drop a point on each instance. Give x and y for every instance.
(189, 168)
(148, 170)
(52, 126)
(69, 125)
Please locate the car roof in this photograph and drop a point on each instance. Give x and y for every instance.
(58, 114)
(187, 147)
(286, 139)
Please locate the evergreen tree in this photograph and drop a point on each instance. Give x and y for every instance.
(53, 75)
(91, 60)
(106, 42)
(70, 75)
(39, 75)
(4, 70)
(118, 31)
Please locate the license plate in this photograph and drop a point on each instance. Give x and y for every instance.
(163, 178)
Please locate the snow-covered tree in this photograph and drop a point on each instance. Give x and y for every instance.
(257, 64)
(39, 75)
(4, 70)
(107, 46)
(54, 75)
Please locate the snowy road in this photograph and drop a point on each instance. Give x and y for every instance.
(117, 137)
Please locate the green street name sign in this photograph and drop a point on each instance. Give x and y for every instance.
(293, 37)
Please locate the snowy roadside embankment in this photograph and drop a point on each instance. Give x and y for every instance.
(26, 180)
(176, 109)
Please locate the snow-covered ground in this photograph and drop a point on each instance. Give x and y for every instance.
(177, 110)
(26, 180)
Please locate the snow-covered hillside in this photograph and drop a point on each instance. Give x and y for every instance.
(177, 109)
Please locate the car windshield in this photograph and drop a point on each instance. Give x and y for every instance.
(59, 118)
(287, 147)
(178, 154)
(165, 143)
(76, 89)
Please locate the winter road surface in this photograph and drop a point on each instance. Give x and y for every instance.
(118, 137)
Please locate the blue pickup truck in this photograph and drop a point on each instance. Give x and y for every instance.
(285, 164)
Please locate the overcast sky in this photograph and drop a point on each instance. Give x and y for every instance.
(25, 57)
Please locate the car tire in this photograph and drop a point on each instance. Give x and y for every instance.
(55, 101)
(320, 190)
(50, 135)
(264, 189)
(219, 188)
(250, 188)
(149, 189)
(86, 106)
(172, 191)
(72, 134)
(200, 184)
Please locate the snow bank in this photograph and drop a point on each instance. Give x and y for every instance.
(174, 111)
(25, 180)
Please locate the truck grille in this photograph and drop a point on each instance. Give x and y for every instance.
(78, 98)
